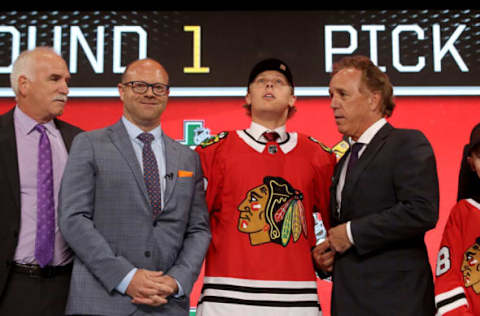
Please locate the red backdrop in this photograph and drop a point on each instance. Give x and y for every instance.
(446, 121)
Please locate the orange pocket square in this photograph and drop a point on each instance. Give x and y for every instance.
(185, 174)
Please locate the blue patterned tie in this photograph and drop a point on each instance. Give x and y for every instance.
(45, 238)
(150, 173)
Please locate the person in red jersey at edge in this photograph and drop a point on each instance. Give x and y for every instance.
(457, 286)
(263, 186)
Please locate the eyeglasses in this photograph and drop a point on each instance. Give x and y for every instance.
(140, 87)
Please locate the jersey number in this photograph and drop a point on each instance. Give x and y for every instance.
(443, 261)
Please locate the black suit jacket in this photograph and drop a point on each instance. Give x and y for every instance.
(391, 198)
(10, 189)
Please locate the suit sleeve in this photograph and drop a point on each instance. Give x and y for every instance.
(450, 298)
(414, 190)
(76, 211)
(196, 238)
(213, 174)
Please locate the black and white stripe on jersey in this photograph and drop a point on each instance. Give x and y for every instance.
(260, 296)
(450, 300)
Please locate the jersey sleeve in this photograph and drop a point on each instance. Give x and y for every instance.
(324, 162)
(210, 157)
(450, 296)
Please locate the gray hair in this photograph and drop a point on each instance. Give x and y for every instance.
(24, 65)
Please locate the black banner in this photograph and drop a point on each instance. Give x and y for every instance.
(218, 48)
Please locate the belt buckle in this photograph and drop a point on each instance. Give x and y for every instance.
(47, 272)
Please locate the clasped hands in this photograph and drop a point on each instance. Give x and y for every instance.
(151, 287)
(337, 241)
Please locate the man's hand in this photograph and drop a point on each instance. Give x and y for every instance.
(323, 256)
(151, 287)
(338, 238)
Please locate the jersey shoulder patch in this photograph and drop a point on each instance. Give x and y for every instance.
(324, 147)
(214, 139)
(340, 148)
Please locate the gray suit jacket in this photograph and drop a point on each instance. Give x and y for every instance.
(106, 217)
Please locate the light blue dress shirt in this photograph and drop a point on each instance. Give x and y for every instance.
(159, 151)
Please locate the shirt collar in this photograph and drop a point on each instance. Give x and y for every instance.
(26, 125)
(133, 130)
(256, 131)
(368, 135)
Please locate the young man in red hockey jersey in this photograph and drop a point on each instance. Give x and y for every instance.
(262, 190)
(457, 286)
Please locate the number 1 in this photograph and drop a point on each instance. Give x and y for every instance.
(196, 29)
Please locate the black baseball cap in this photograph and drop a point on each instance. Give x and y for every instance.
(271, 64)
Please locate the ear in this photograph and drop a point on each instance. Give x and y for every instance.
(248, 98)
(374, 100)
(23, 85)
(470, 163)
(121, 90)
(292, 100)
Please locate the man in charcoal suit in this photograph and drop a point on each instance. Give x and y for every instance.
(384, 197)
(35, 262)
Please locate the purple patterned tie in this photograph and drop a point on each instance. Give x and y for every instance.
(45, 239)
(150, 173)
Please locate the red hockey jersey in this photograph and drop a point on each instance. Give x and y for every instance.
(457, 286)
(261, 198)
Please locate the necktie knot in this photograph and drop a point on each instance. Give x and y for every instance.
(271, 136)
(356, 148)
(146, 138)
(353, 156)
(40, 128)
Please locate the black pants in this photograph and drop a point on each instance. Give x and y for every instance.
(26, 295)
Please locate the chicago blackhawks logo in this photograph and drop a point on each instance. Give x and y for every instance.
(471, 267)
(273, 212)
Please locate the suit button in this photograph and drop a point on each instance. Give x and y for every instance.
(147, 254)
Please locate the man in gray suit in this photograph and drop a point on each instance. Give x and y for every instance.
(132, 208)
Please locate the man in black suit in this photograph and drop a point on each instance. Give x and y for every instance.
(35, 261)
(384, 197)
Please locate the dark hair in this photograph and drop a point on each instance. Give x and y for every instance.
(372, 76)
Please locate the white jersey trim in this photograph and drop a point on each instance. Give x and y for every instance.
(232, 296)
(286, 146)
(474, 203)
(450, 300)
(260, 283)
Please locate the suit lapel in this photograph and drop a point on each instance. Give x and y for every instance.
(333, 187)
(121, 141)
(8, 154)
(370, 152)
(66, 133)
(171, 170)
